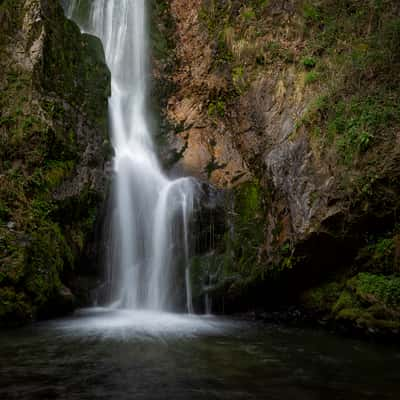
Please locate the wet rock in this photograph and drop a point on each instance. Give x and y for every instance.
(53, 152)
(244, 108)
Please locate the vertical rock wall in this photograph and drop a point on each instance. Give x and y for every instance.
(54, 146)
(293, 105)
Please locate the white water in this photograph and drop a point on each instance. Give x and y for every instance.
(145, 324)
(151, 213)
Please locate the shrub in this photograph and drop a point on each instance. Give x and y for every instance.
(309, 62)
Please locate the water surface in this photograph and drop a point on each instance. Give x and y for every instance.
(105, 354)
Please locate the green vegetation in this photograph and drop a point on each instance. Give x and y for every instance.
(309, 62)
(379, 256)
(353, 47)
(322, 298)
(366, 301)
(162, 31)
(311, 13)
(48, 117)
(354, 123)
(341, 61)
(238, 260)
(377, 289)
(311, 77)
(238, 32)
(217, 108)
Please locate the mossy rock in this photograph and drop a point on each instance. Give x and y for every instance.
(366, 303)
(81, 12)
(376, 289)
(14, 307)
(379, 256)
(46, 257)
(321, 299)
(53, 129)
(370, 302)
(236, 263)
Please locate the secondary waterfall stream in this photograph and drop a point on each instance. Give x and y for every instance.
(151, 212)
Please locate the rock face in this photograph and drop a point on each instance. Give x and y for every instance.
(293, 106)
(54, 87)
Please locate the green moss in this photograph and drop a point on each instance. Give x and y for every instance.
(56, 172)
(45, 259)
(309, 62)
(217, 108)
(40, 236)
(81, 12)
(12, 258)
(77, 74)
(249, 202)
(233, 28)
(162, 31)
(14, 306)
(311, 77)
(311, 12)
(365, 301)
(378, 256)
(243, 245)
(355, 123)
(322, 298)
(346, 300)
(236, 263)
(248, 14)
(239, 79)
(372, 288)
(353, 47)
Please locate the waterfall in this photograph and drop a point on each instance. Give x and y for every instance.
(151, 213)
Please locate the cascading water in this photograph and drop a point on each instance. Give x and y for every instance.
(151, 213)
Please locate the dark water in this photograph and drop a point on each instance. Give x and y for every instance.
(103, 355)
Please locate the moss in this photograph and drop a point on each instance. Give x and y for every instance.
(46, 258)
(348, 58)
(372, 288)
(249, 202)
(309, 62)
(239, 79)
(357, 122)
(311, 77)
(217, 108)
(322, 298)
(378, 256)
(12, 258)
(206, 273)
(77, 74)
(236, 263)
(243, 243)
(42, 140)
(162, 31)
(81, 13)
(365, 301)
(346, 300)
(311, 12)
(14, 307)
(351, 47)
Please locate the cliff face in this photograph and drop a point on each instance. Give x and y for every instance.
(294, 106)
(54, 86)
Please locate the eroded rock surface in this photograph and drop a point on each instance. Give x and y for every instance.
(293, 106)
